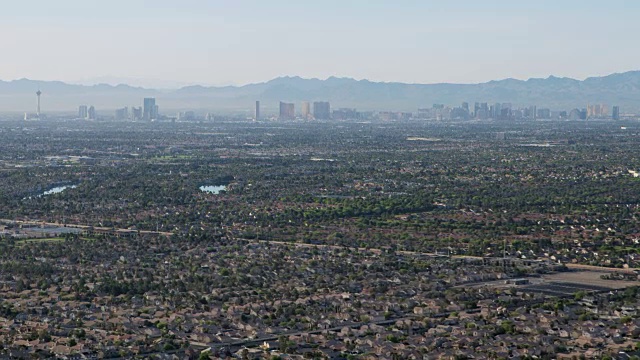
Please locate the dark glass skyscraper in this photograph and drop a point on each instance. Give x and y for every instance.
(615, 114)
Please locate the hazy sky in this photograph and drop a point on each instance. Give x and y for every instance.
(238, 42)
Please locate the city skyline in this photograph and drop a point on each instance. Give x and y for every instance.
(552, 92)
(219, 43)
(322, 110)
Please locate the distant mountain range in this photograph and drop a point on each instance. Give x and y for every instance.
(621, 89)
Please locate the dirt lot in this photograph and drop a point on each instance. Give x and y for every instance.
(588, 278)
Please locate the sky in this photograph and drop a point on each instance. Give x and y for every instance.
(234, 42)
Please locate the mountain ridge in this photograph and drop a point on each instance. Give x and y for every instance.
(558, 93)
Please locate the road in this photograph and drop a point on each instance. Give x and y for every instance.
(417, 253)
(342, 247)
(304, 245)
(85, 227)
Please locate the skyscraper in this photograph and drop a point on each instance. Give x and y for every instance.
(257, 111)
(575, 114)
(306, 110)
(345, 114)
(287, 111)
(91, 113)
(615, 113)
(186, 115)
(544, 114)
(465, 107)
(82, 112)
(122, 114)
(149, 111)
(136, 113)
(596, 110)
(583, 114)
(321, 110)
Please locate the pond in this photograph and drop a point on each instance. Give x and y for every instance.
(213, 189)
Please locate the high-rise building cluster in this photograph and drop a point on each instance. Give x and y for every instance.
(320, 110)
(87, 112)
(149, 111)
(506, 112)
(597, 110)
(186, 116)
(345, 114)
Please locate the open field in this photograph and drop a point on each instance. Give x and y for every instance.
(563, 288)
(599, 268)
(562, 283)
(589, 278)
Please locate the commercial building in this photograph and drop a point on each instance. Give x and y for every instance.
(345, 114)
(544, 114)
(287, 111)
(136, 113)
(306, 110)
(615, 113)
(186, 115)
(122, 114)
(321, 110)
(83, 112)
(256, 115)
(150, 109)
(597, 111)
(91, 113)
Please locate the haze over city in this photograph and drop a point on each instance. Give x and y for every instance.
(348, 180)
(168, 44)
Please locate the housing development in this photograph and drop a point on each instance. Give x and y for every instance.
(337, 239)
